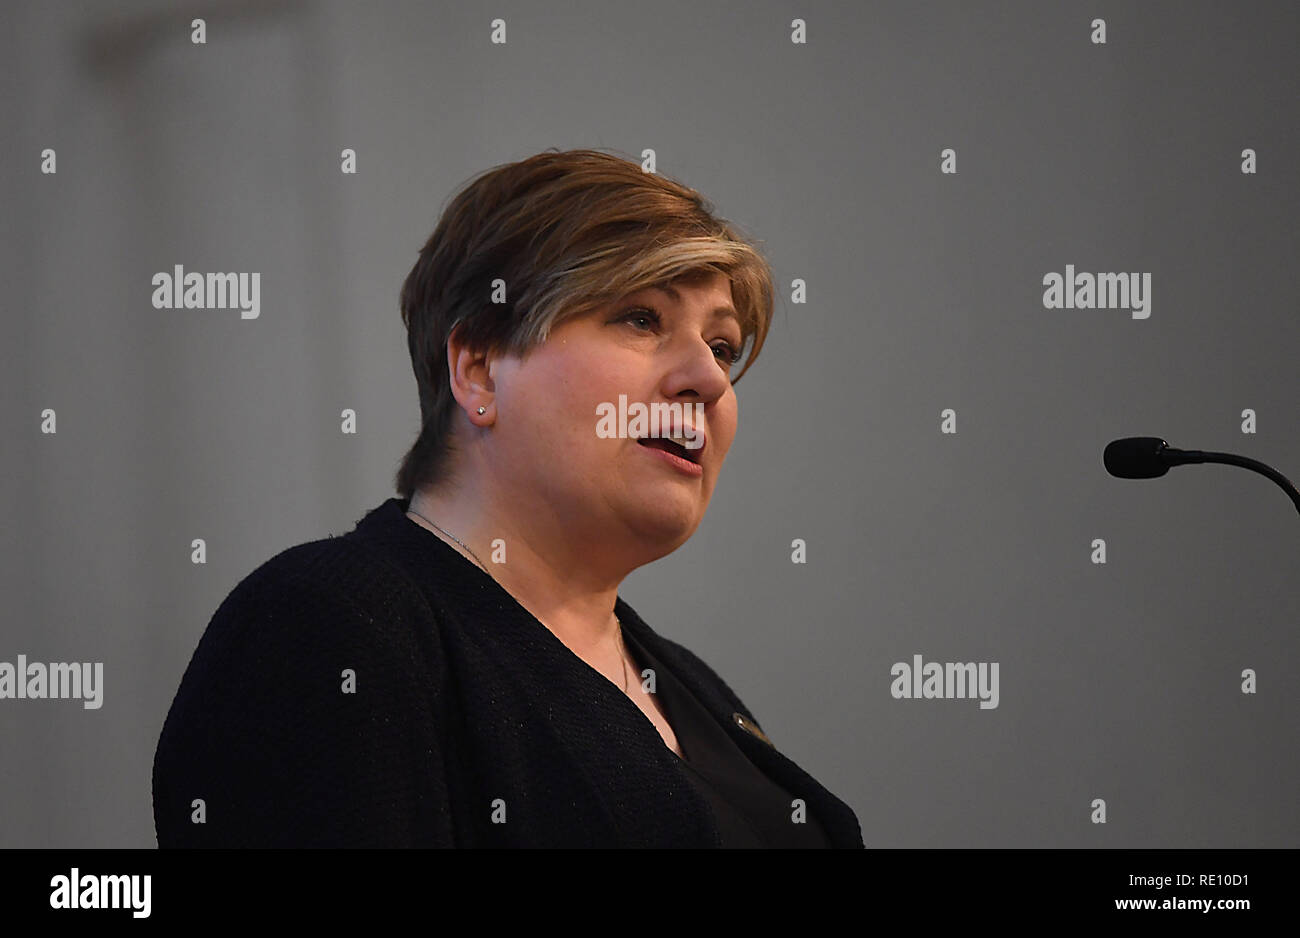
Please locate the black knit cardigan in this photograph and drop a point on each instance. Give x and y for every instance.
(377, 689)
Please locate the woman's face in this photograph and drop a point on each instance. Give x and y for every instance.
(651, 347)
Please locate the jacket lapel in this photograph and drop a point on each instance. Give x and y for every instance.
(838, 820)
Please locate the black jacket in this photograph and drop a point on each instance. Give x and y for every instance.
(380, 690)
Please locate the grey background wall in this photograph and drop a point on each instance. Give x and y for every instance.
(1118, 681)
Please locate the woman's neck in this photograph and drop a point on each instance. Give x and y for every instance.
(549, 576)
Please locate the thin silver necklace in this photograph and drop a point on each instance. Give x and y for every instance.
(454, 538)
(622, 647)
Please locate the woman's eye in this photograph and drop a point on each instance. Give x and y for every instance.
(729, 354)
(642, 315)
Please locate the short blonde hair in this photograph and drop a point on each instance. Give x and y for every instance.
(568, 232)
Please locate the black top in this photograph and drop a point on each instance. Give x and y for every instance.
(379, 689)
(751, 810)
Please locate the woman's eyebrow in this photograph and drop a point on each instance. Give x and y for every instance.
(718, 312)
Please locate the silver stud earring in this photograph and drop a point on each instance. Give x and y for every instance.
(482, 410)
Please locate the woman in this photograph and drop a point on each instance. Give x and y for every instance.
(459, 670)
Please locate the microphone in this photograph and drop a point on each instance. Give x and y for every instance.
(1148, 457)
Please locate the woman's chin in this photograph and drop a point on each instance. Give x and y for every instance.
(667, 524)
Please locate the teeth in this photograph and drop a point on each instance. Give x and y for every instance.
(682, 441)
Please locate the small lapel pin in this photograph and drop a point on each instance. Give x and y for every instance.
(750, 727)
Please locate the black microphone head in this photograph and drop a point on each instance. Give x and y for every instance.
(1136, 457)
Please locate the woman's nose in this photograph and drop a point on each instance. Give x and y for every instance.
(697, 369)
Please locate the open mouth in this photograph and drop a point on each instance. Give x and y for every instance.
(674, 445)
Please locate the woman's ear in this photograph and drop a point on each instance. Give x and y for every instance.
(469, 371)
